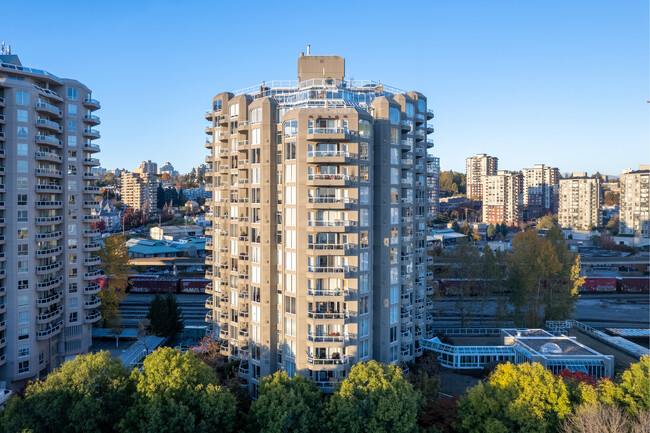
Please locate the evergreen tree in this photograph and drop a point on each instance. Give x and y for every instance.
(164, 315)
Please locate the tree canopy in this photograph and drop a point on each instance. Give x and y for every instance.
(287, 404)
(88, 394)
(164, 315)
(524, 397)
(375, 398)
(176, 392)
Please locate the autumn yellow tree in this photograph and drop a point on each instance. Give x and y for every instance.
(114, 256)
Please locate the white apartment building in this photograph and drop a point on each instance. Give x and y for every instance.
(48, 293)
(579, 202)
(634, 212)
(477, 167)
(540, 190)
(502, 198)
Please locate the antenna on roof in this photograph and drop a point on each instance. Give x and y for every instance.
(8, 49)
(308, 49)
(2, 48)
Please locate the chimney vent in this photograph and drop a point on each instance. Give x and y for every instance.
(308, 49)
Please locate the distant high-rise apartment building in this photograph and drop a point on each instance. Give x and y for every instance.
(168, 168)
(477, 167)
(48, 297)
(579, 202)
(540, 190)
(319, 213)
(634, 205)
(147, 167)
(433, 184)
(139, 191)
(502, 198)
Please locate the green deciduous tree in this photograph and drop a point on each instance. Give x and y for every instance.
(375, 398)
(287, 405)
(547, 222)
(178, 393)
(491, 231)
(525, 397)
(164, 316)
(88, 394)
(114, 258)
(543, 277)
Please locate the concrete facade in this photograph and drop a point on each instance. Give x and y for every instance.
(634, 210)
(502, 198)
(540, 190)
(319, 214)
(139, 191)
(579, 202)
(476, 168)
(48, 301)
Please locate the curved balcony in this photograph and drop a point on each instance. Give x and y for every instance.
(90, 204)
(336, 226)
(95, 246)
(49, 332)
(48, 252)
(328, 315)
(49, 236)
(44, 318)
(330, 134)
(44, 107)
(48, 156)
(208, 289)
(91, 119)
(93, 233)
(91, 189)
(91, 218)
(93, 275)
(93, 302)
(91, 147)
(92, 288)
(91, 161)
(49, 172)
(336, 337)
(43, 205)
(330, 179)
(345, 271)
(339, 361)
(50, 284)
(49, 188)
(40, 221)
(48, 140)
(331, 202)
(91, 261)
(49, 269)
(48, 124)
(91, 133)
(330, 157)
(92, 104)
(331, 249)
(49, 300)
(93, 317)
(90, 175)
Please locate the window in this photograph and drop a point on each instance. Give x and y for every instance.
(72, 126)
(290, 326)
(22, 97)
(410, 109)
(363, 349)
(73, 317)
(394, 115)
(23, 317)
(23, 351)
(394, 215)
(234, 110)
(23, 233)
(72, 110)
(21, 166)
(22, 116)
(22, 182)
(364, 327)
(23, 367)
(255, 116)
(394, 176)
(22, 132)
(290, 304)
(394, 314)
(22, 200)
(255, 313)
(365, 129)
(72, 94)
(72, 287)
(393, 334)
(290, 152)
(255, 136)
(23, 284)
(217, 105)
(363, 283)
(72, 272)
(394, 294)
(23, 300)
(72, 140)
(73, 302)
(23, 333)
(23, 249)
(394, 156)
(21, 149)
(290, 128)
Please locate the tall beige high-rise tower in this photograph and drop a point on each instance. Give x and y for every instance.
(502, 198)
(477, 167)
(579, 202)
(139, 190)
(540, 190)
(319, 212)
(48, 300)
(635, 204)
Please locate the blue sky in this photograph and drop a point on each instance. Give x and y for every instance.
(565, 83)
